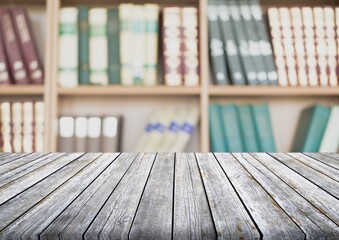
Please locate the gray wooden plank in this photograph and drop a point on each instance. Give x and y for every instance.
(313, 222)
(25, 169)
(192, 216)
(77, 217)
(333, 155)
(322, 200)
(314, 176)
(230, 217)
(3, 155)
(324, 159)
(12, 157)
(271, 220)
(153, 219)
(20, 162)
(19, 185)
(22, 202)
(34, 221)
(115, 218)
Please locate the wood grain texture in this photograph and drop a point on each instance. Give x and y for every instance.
(325, 159)
(12, 157)
(230, 216)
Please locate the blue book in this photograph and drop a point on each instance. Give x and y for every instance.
(217, 139)
(247, 128)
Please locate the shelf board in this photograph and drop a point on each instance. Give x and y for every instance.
(21, 90)
(272, 91)
(129, 91)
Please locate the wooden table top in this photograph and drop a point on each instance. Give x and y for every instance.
(169, 196)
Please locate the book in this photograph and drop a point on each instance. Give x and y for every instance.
(26, 42)
(190, 46)
(94, 134)
(126, 41)
(81, 127)
(330, 140)
(113, 46)
(6, 130)
(217, 138)
(311, 127)
(16, 124)
(98, 46)
(172, 58)
(66, 134)
(68, 47)
(12, 48)
(217, 56)
(5, 77)
(83, 41)
(111, 134)
(263, 127)
(247, 128)
(152, 31)
(28, 127)
(39, 126)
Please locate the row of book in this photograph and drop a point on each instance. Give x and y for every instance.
(318, 130)
(241, 128)
(22, 126)
(120, 45)
(19, 61)
(306, 45)
(239, 44)
(89, 134)
(169, 130)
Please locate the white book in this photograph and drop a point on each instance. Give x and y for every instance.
(5, 110)
(110, 134)
(330, 141)
(94, 134)
(81, 126)
(17, 123)
(66, 134)
(68, 47)
(98, 46)
(28, 130)
(39, 127)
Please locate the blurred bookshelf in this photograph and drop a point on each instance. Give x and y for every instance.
(123, 100)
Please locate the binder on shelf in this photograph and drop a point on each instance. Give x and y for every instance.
(111, 132)
(217, 138)
(66, 134)
(94, 134)
(248, 130)
(83, 41)
(330, 140)
(113, 46)
(81, 128)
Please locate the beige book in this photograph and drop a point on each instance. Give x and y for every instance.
(111, 127)
(28, 123)
(81, 126)
(94, 134)
(17, 124)
(5, 109)
(66, 134)
(39, 127)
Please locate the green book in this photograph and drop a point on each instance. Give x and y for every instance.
(231, 128)
(217, 139)
(311, 128)
(247, 128)
(83, 46)
(262, 122)
(113, 46)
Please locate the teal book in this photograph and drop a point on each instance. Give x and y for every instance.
(247, 128)
(113, 46)
(231, 128)
(263, 126)
(83, 46)
(311, 128)
(217, 139)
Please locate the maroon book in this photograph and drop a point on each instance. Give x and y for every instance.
(25, 38)
(12, 49)
(4, 70)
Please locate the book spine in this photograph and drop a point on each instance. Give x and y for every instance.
(247, 128)
(98, 46)
(5, 77)
(330, 38)
(28, 49)
(264, 41)
(39, 126)
(190, 46)
(337, 37)
(173, 66)
(216, 47)
(276, 35)
(113, 46)
(6, 129)
(139, 44)
(66, 134)
(217, 138)
(110, 134)
(17, 125)
(81, 126)
(231, 46)
(126, 42)
(68, 47)
(94, 134)
(152, 30)
(83, 39)
(244, 48)
(28, 130)
(11, 45)
(330, 140)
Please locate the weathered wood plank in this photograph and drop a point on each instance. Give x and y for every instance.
(34, 221)
(22, 202)
(77, 217)
(23, 161)
(153, 219)
(324, 159)
(192, 216)
(314, 176)
(23, 170)
(333, 155)
(322, 200)
(313, 222)
(3, 155)
(271, 220)
(230, 216)
(116, 217)
(12, 157)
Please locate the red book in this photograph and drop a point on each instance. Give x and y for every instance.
(24, 35)
(4, 70)
(15, 59)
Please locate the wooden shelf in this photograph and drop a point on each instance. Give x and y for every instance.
(21, 90)
(129, 91)
(272, 91)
